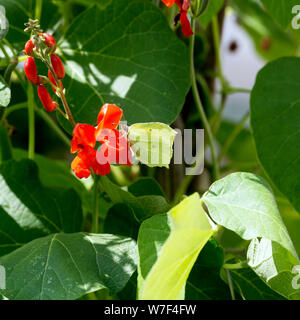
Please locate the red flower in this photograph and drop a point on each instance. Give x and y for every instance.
(85, 160)
(46, 99)
(29, 48)
(49, 41)
(31, 71)
(183, 9)
(109, 117)
(84, 141)
(57, 66)
(115, 147)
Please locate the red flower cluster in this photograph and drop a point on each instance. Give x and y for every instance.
(184, 6)
(32, 75)
(114, 148)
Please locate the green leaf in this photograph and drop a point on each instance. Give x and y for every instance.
(4, 25)
(143, 206)
(152, 143)
(281, 10)
(169, 245)
(275, 116)
(57, 174)
(126, 55)
(244, 203)
(5, 144)
(204, 282)
(213, 7)
(29, 210)
(67, 266)
(5, 93)
(251, 287)
(275, 266)
(145, 186)
(120, 220)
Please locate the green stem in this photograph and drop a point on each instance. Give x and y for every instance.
(31, 122)
(200, 107)
(216, 39)
(52, 124)
(38, 9)
(230, 284)
(95, 220)
(13, 108)
(235, 266)
(237, 130)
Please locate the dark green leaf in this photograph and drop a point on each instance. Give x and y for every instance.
(5, 144)
(275, 118)
(281, 10)
(213, 7)
(126, 55)
(29, 210)
(204, 282)
(143, 206)
(67, 266)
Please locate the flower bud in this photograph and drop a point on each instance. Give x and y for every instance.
(51, 78)
(31, 71)
(198, 6)
(29, 47)
(46, 99)
(57, 66)
(49, 41)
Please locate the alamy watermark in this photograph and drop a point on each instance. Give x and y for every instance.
(296, 19)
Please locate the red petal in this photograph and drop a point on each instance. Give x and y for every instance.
(168, 3)
(185, 25)
(109, 117)
(83, 135)
(57, 66)
(115, 148)
(80, 168)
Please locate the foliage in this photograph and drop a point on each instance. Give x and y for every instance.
(143, 228)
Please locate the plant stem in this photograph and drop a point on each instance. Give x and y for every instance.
(31, 122)
(200, 107)
(216, 39)
(13, 108)
(230, 284)
(95, 220)
(237, 130)
(235, 266)
(38, 9)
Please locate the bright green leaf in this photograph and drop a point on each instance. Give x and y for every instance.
(169, 245)
(275, 117)
(67, 266)
(152, 143)
(244, 203)
(126, 55)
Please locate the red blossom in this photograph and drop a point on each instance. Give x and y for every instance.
(57, 66)
(109, 117)
(51, 78)
(115, 147)
(29, 47)
(49, 40)
(184, 6)
(31, 71)
(46, 99)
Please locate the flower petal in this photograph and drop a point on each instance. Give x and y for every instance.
(185, 24)
(109, 117)
(80, 168)
(83, 135)
(168, 3)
